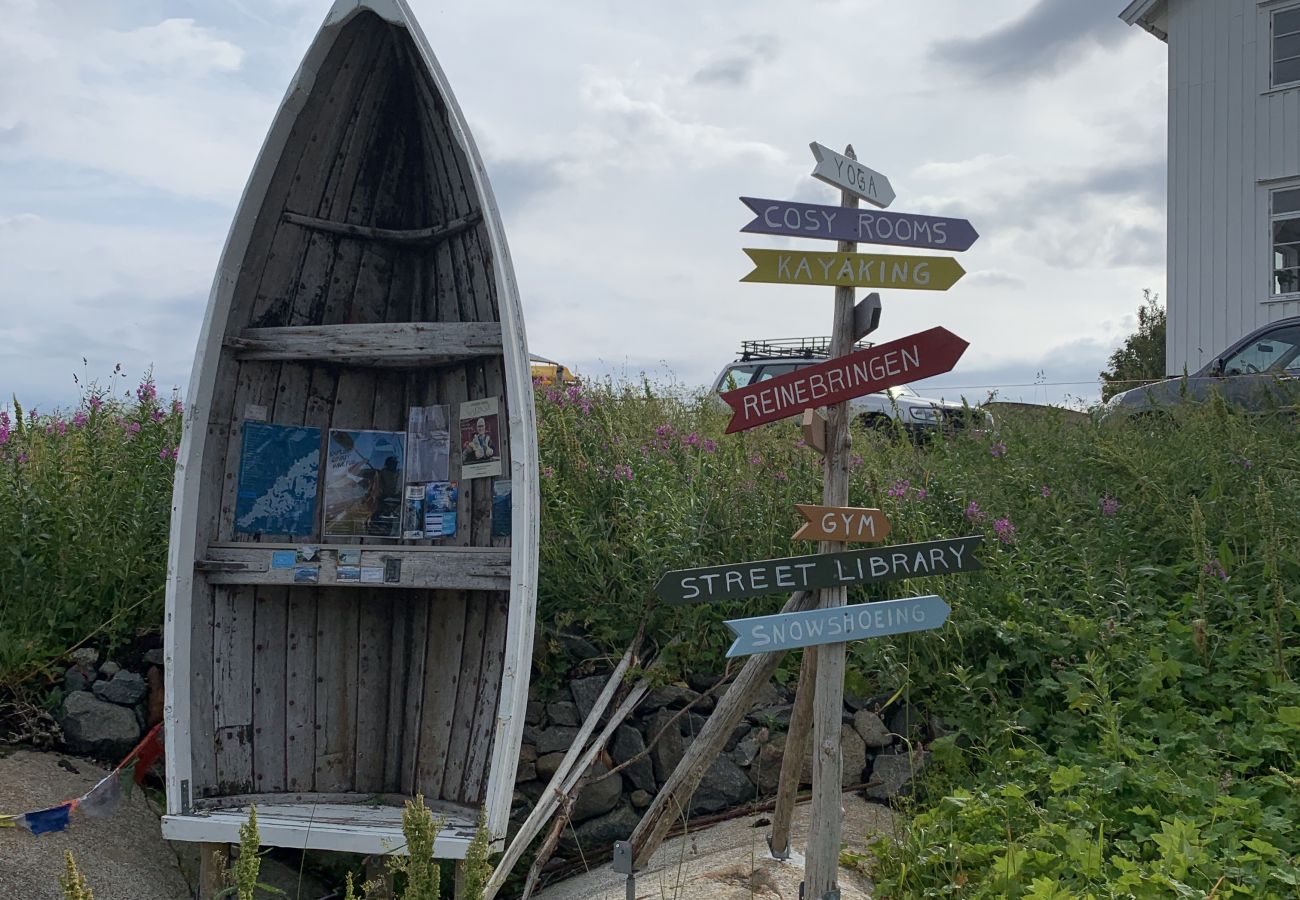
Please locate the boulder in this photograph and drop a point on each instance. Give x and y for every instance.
(724, 785)
(77, 678)
(525, 771)
(738, 734)
(532, 790)
(641, 799)
(667, 751)
(86, 657)
(97, 728)
(599, 796)
(154, 657)
(872, 731)
(547, 765)
(585, 691)
(766, 770)
(109, 669)
(554, 738)
(534, 712)
(576, 648)
(894, 771)
(669, 695)
(125, 688)
(603, 831)
(747, 750)
(626, 745)
(562, 712)
(157, 696)
(853, 752)
(770, 716)
(906, 721)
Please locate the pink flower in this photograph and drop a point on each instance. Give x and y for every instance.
(622, 473)
(664, 431)
(756, 460)
(177, 407)
(164, 454)
(1215, 568)
(974, 513)
(1005, 531)
(1046, 491)
(921, 494)
(80, 419)
(95, 402)
(856, 461)
(146, 392)
(899, 489)
(132, 428)
(800, 444)
(22, 457)
(1109, 506)
(548, 472)
(691, 440)
(781, 476)
(710, 446)
(157, 415)
(998, 450)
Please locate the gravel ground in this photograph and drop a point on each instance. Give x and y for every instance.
(124, 857)
(730, 861)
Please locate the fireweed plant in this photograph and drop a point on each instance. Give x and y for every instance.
(1116, 682)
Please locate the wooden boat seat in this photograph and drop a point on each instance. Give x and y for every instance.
(422, 567)
(405, 344)
(355, 825)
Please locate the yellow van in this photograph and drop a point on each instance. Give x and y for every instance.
(548, 371)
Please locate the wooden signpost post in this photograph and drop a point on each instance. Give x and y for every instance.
(824, 628)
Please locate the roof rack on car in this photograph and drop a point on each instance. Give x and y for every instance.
(791, 348)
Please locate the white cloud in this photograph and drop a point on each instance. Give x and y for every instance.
(171, 44)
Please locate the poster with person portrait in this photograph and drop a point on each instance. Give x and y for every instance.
(480, 438)
(364, 481)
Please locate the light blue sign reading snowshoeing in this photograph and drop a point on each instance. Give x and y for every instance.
(786, 631)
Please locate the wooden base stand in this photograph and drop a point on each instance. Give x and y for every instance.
(213, 860)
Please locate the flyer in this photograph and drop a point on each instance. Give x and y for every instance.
(480, 438)
(440, 509)
(363, 483)
(428, 444)
(413, 512)
(501, 507)
(278, 468)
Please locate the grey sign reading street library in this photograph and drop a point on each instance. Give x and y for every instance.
(796, 573)
(785, 631)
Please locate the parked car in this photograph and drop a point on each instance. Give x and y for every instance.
(548, 371)
(1260, 372)
(760, 360)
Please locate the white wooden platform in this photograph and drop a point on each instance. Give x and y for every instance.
(347, 827)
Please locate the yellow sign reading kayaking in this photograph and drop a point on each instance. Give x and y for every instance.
(871, 270)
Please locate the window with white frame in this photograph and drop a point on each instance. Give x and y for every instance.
(1286, 46)
(1285, 208)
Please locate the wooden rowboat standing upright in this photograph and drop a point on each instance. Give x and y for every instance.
(366, 274)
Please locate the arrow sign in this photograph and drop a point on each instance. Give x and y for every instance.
(866, 316)
(840, 523)
(870, 270)
(850, 175)
(821, 570)
(836, 223)
(865, 371)
(786, 631)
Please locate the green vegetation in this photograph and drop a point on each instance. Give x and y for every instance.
(1118, 679)
(1141, 358)
(72, 882)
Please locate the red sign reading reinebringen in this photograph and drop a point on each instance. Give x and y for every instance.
(908, 359)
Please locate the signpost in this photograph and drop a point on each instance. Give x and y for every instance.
(736, 581)
(844, 524)
(863, 372)
(866, 316)
(872, 270)
(851, 176)
(814, 430)
(787, 218)
(786, 631)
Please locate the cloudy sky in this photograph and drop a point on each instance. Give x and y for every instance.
(618, 138)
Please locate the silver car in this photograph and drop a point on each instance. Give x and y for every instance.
(1259, 373)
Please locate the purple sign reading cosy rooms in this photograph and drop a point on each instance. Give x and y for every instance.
(869, 226)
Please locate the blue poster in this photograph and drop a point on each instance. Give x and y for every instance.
(501, 507)
(440, 509)
(278, 470)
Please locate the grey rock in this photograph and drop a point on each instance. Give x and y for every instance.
(76, 679)
(854, 702)
(531, 732)
(109, 669)
(641, 799)
(525, 771)
(906, 721)
(769, 695)
(771, 716)
(576, 648)
(737, 735)
(853, 754)
(154, 657)
(585, 691)
(97, 728)
(528, 752)
(125, 688)
(534, 712)
(86, 657)
(894, 771)
(872, 731)
(533, 790)
(599, 796)
(547, 765)
(667, 752)
(669, 695)
(724, 785)
(603, 831)
(562, 712)
(747, 750)
(702, 681)
(938, 728)
(766, 770)
(626, 745)
(554, 738)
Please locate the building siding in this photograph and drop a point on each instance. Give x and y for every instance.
(1229, 136)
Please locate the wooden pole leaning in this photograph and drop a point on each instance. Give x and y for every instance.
(796, 739)
(674, 798)
(821, 870)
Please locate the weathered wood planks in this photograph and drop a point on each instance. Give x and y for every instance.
(404, 343)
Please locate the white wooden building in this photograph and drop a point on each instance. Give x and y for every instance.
(1234, 167)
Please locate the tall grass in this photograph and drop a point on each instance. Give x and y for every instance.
(85, 497)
